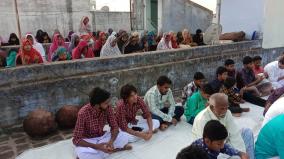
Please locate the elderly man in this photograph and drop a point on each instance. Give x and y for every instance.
(240, 139)
(275, 72)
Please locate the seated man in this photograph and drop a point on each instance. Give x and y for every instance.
(221, 76)
(126, 110)
(246, 78)
(270, 141)
(235, 99)
(193, 86)
(274, 96)
(197, 102)
(90, 139)
(192, 152)
(240, 139)
(156, 99)
(230, 66)
(275, 72)
(257, 68)
(213, 141)
(276, 109)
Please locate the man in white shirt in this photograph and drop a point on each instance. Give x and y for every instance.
(275, 109)
(275, 72)
(240, 139)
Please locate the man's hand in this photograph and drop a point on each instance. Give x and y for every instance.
(174, 121)
(145, 135)
(105, 147)
(244, 156)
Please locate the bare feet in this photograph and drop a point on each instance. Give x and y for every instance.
(126, 147)
(237, 114)
(245, 109)
(155, 131)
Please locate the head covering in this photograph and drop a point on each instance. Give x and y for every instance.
(163, 44)
(59, 52)
(39, 36)
(37, 46)
(54, 46)
(77, 53)
(84, 28)
(187, 39)
(69, 35)
(108, 49)
(174, 41)
(151, 38)
(110, 30)
(73, 43)
(16, 41)
(45, 34)
(28, 57)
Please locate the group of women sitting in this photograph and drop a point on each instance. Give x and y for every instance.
(87, 44)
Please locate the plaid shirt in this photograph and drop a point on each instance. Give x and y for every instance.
(126, 114)
(232, 95)
(91, 121)
(228, 150)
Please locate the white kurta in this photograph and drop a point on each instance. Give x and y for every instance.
(274, 72)
(234, 138)
(275, 109)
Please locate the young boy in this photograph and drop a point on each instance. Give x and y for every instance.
(235, 99)
(193, 86)
(221, 76)
(230, 66)
(197, 102)
(213, 141)
(257, 68)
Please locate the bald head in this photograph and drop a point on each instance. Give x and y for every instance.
(219, 104)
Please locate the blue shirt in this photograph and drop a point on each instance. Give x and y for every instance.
(270, 142)
(228, 150)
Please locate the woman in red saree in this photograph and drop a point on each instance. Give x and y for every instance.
(82, 51)
(99, 44)
(27, 54)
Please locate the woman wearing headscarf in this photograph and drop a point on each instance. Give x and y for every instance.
(99, 43)
(84, 27)
(122, 39)
(179, 38)
(68, 38)
(133, 44)
(165, 43)
(61, 54)
(39, 36)
(110, 48)
(36, 45)
(152, 45)
(82, 51)
(75, 39)
(187, 39)
(174, 40)
(46, 38)
(58, 41)
(27, 54)
(13, 39)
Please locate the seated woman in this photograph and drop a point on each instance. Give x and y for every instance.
(58, 41)
(187, 39)
(270, 141)
(61, 54)
(27, 54)
(174, 39)
(46, 38)
(13, 40)
(82, 51)
(11, 58)
(99, 44)
(165, 43)
(111, 48)
(75, 39)
(235, 99)
(133, 44)
(152, 45)
(36, 45)
(198, 37)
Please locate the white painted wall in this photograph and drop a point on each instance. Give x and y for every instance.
(242, 15)
(273, 24)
